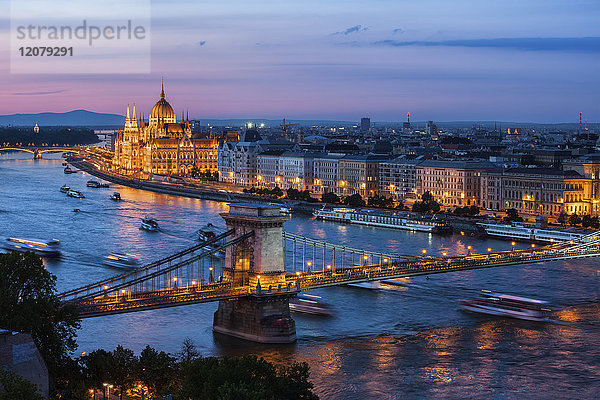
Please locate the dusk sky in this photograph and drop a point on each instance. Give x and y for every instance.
(510, 60)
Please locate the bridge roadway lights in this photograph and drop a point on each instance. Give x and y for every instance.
(257, 263)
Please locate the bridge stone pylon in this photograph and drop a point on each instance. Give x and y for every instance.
(258, 263)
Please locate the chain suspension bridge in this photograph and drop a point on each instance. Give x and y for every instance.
(254, 267)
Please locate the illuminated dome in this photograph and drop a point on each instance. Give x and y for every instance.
(163, 110)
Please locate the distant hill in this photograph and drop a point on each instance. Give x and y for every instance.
(71, 118)
(99, 120)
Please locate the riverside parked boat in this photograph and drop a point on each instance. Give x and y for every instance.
(64, 188)
(527, 232)
(396, 220)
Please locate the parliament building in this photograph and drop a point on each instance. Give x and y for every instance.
(162, 145)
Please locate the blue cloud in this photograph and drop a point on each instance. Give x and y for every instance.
(583, 44)
(352, 29)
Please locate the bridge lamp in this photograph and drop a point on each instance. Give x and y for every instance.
(444, 254)
(489, 249)
(385, 260)
(424, 251)
(193, 283)
(210, 268)
(533, 245)
(513, 246)
(123, 291)
(105, 287)
(297, 273)
(328, 266)
(469, 249)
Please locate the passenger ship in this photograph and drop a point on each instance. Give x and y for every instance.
(383, 219)
(519, 231)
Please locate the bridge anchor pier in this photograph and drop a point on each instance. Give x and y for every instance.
(263, 316)
(256, 318)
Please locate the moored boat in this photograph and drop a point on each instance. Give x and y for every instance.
(64, 188)
(116, 196)
(121, 260)
(527, 232)
(49, 248)
(309, 304)
(68, 170)
(150, 225)
(396, 220)
(75, 193)
(93, 184)
(506, 305)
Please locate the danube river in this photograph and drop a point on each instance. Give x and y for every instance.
(408, 342)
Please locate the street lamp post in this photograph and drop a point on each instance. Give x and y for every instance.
(513, 246)
(469, 250)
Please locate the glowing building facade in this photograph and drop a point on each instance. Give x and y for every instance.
(162, 146)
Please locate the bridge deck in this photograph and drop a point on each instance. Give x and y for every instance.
(106, 304)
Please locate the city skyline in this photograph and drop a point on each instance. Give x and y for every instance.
(485, 61)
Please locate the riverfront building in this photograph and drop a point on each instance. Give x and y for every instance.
(162, 145)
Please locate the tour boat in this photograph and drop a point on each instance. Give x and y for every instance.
(394, 220)
(208, 232)
(508, 306)
(527, 232)
(48, 248)
(104, 185)
(125, 261)
(150, 225)
(282, 208)
(64, 188)
(68, 170)
(373, 285)
(309, 304)
(93, 184)
(75, 193)
(115, 196)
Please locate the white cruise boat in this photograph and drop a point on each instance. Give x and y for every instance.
(520, 231)
(506, 305)
(49, 248)
(383, 219)
(64, 189)
(75, 193)
(309, 304)
(150, 225)
(124, 261)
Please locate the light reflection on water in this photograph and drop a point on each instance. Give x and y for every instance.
(408, 342)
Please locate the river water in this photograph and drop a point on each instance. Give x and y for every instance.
(406, 342)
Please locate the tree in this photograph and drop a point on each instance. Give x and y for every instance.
(380, 201)
(512, 215)
(123, 362)
(157, 370)
(247, 377)
(562, 218)
(427, 197)
(188, 351)
(17, 388)
(28, 303)
(355, 200)
(586, 221)
(330, 197)
(574, 219)
(427, 204)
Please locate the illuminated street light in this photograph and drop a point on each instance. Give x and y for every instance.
(533, 245)
(513, 246)
(444, 254)
(469, 250)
